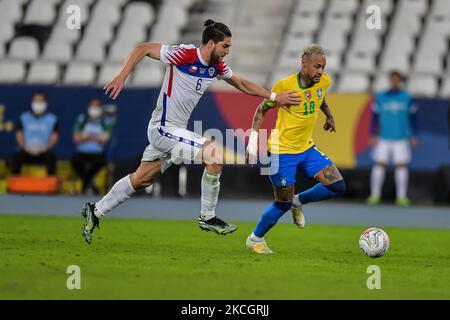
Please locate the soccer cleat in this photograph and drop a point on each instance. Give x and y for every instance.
(298, 216)
(90, 221)
(373, 200)
(217, 225)
(403, 202)
(259, 247)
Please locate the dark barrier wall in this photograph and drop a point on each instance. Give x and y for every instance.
(221, 110)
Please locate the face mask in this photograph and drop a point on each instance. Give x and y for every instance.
(94, 112)
(38, 107)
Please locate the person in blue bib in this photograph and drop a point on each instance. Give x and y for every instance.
(394, 130)
(92, 132)
(36, 135)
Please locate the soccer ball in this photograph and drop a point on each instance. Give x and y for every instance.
(374, 242)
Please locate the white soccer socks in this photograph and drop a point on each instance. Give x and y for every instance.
(210, 193)
(377, 180)
(401, 181)
(121, 191)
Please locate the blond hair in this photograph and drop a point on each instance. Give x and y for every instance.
(312, 49)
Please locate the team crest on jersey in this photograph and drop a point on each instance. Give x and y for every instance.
(319, 93)
(211, 71)
(308, 95)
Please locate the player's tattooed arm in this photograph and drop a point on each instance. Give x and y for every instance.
(329, 122)
(258, 117)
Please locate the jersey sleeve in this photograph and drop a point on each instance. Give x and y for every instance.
(225, 71)
(175, 55)
(277, 88)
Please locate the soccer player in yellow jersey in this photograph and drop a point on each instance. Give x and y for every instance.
(292, 148)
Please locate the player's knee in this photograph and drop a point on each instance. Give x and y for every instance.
(338, 188)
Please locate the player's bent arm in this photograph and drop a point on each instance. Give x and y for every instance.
(150, 49)
(325, 109)
(20, 139)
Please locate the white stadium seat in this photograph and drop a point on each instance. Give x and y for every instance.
(400, 43)
(334, 61)
(306, 22)
(347, 7)
(428, 62)
(405, 23)
(140, 13)
(295, 44)
(106, 13)
(6, 31)
(439, 25)
(437, 42)
(101, 33)
(391, 60)
(57, 51)
(423, 85)
(24, 48)
(332, 40)
(413, 7)
(309, 6)
(40, 12)
(440, 7)
(90, 51)
(79, 73)
(148, 76)
(45, 72)
(360, 61)
(353, 82)
(12, 71)
(61, 33)
(10, 11)
(338, 21)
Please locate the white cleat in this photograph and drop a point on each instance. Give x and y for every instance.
(258, 246)
(298, 216)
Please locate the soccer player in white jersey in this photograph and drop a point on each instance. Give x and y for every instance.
(189, 72)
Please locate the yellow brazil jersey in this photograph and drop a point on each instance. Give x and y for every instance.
(294, 129)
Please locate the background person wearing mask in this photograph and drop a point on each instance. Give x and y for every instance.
(37, 134)
(91, 135)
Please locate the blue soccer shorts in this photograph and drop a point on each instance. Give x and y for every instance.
(284, 167)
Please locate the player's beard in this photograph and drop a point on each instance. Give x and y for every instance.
(215, 58)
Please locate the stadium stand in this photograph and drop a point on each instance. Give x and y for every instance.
(36, 46)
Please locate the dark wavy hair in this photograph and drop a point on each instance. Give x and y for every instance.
(215, 31)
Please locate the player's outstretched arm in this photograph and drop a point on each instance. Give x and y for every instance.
(329, 122)
(258, 119)
(250, 88)
(149, 49)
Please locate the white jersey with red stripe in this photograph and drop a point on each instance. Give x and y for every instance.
(186, 79)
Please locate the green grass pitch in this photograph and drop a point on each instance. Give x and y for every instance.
(154, 259)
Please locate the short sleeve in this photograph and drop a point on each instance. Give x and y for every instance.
(277, 88)
(175, 55)
(225, 71)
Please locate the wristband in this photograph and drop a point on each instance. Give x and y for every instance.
(252, 147)
(273, 96)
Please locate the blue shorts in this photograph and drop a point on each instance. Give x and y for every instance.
(284, 167)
